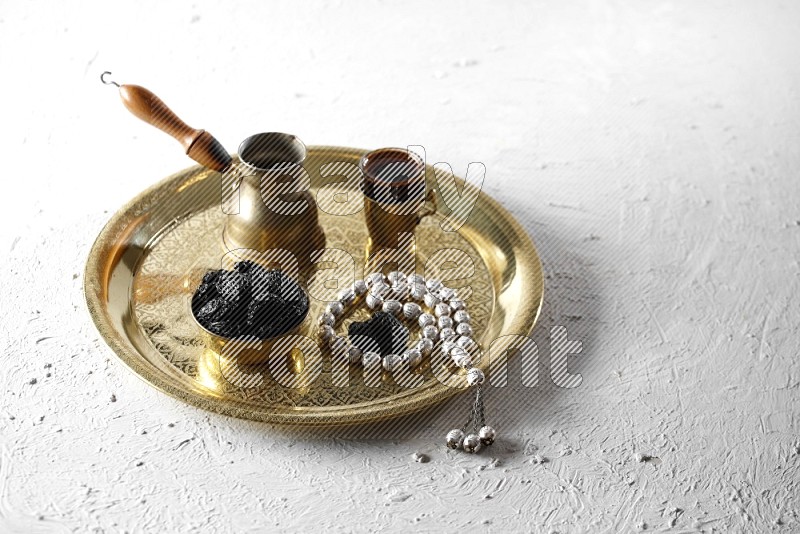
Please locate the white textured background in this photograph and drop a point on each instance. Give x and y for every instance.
(650, 148)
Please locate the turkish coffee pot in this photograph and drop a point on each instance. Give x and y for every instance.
(262, 192)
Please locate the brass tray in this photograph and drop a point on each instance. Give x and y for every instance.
(149, 258)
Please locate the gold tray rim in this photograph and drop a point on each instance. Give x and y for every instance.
(136, 361)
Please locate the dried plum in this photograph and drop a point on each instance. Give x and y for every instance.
(209, 309)
(267, 282)
(245, 266)
(266, 310)
(229, 286)
(382, 333)
(206, 292)
(210, 277)
(249, 301)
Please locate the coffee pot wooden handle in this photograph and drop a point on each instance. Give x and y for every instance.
(200, 145)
